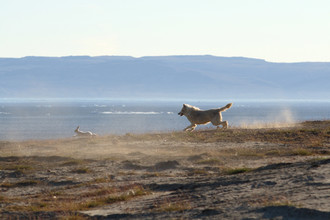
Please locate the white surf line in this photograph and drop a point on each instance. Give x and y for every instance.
(132, 113)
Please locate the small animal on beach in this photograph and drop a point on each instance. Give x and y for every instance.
(83, 133)
(197, 116)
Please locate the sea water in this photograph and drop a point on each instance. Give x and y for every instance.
(50, 119)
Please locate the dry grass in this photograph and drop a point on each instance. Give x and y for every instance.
(19, 183)
(315, 133)
(178, 206)
(172, 205)
(232, 171)
(82, 170)
(65, 202)
(198, 172)
(307, 139)
(278, 200)
(73, 162)
(209, 161)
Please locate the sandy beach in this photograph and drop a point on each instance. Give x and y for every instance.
(238, 173)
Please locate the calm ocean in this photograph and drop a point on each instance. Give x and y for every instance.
(36, 119)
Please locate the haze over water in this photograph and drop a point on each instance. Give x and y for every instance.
(22, 120)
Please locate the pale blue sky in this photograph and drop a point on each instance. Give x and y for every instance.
(275, 30)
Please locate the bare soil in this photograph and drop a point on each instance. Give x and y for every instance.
(265, 173)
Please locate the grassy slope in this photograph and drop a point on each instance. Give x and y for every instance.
(307, 138)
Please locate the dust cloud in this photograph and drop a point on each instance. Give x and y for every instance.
(284, 118)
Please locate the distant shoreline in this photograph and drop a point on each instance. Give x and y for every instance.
(253, 128)
(45, 119)
(174, 100)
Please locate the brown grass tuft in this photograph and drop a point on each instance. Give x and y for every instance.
(232, 171)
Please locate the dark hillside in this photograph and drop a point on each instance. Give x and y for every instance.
(207, 77)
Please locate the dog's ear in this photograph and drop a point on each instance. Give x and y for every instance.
(184, 105)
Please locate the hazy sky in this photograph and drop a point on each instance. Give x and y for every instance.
(275, 30)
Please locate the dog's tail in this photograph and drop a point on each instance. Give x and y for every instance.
(225, 107)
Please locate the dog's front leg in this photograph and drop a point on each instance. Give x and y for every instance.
(190, 127)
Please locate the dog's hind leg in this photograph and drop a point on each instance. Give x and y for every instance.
(224, 125)
(190, 127)
(217, 120)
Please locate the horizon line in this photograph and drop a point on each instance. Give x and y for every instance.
(159, 56)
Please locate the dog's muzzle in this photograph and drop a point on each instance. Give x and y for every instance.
(180, 113)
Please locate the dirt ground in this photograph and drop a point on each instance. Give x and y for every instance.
(259, 173)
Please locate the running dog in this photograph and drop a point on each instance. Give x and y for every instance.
(197, 116)
(83, 133)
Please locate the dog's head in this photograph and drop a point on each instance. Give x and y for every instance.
(183, 110)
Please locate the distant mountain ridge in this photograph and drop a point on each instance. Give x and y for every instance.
(198, 77)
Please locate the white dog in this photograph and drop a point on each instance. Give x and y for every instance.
(83, 133)
(197, 116)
